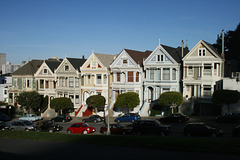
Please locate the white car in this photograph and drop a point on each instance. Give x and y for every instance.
(30, 117)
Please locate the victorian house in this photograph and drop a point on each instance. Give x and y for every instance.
(68, 81)
(95, 75)
(23, 80)
(203, 68)
(128, 75)
(162, 73)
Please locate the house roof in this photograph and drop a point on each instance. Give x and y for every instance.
(176, 53)
(29, 69)
(76, 62)
(53, 64)
(138, 56)
(212, 48)
(106, 59)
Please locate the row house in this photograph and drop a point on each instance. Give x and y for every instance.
(96, 77)
(203, 68)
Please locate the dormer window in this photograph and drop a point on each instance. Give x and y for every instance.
(201, 52)
(159, 58)
(45, 71)
(94, 64)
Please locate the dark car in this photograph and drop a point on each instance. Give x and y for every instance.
(23, 125)
(47, 126)
(236, 131)
(176, 117)
(150, 127)
(62, 118)
(117, 129)
(202, 129)
(229, 118)
(4, 126)
(93, 118)
(128, 117)
(4, 117)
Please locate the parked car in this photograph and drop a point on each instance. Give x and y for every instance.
(117, 129)
(150, 127)
(128, 117)
(176, 117)
(93, 118)
(81, 127)
(229, 117)
(4, 126)
(62, 118)
(202, 129)
(23, 125)
(48, 126)
(4, 117)
(30, 117)
(236, 130)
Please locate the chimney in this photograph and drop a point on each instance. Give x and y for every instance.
(223, 44)
(182, 48)
(83, 57)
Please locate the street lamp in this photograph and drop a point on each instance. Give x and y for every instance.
(108, 117)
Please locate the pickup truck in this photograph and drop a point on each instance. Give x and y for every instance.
(30, 117)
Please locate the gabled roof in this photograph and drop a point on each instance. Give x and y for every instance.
(176, 53)
(106, 59)
(29, 69)
(76, 62)
(53, 64)
(138, 56)
(212, 48)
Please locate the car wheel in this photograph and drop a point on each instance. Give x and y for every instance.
(63, 121)
(26, 129)
(95, 121)
(214, 135)
(118, 121)
(53, 121)
(132, 120)
(162, 133)
(84, 132)
(69, 131)
(50, 131)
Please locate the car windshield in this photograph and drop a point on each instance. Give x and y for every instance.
(85, 125)
(27, 123)
(209, 127)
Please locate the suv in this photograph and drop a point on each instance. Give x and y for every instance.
(229, 117)
(202, 129)
(150, 127)
(62, 118)
(128, 117)
(22, 125)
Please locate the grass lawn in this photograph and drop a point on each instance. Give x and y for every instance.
(199, 144)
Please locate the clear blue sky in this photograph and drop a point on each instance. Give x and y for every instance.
(40, 29)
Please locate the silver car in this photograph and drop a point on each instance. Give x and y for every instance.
(23, 125)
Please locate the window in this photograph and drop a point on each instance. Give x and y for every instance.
(118, 77)
(159, 58)
(165, 90)
(174, 74)
(94, 64)
(137, 77)
(66, 68)
(62, 82)
(125, 62)
(28, 83)
(46, 84)
(76, 82)
(207, 70)
(159, 74)
(166, 73)
(201, 52)
(54, 84)
(99, 79)
(71, 82)
(72, 98)
(151, 72)
(45, 71)
(15, 82)
(190, 71)
(77, 99)
(130, 76)
(41, 83)
(207, 91)
(5, 92)
(88, 79)
(105, 79)
(24, 83)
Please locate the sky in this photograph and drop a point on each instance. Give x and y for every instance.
(41, 29)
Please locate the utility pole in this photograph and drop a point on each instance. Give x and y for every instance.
(108, 117)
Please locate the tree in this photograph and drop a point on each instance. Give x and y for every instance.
(225, 96)
(172, 99)
(96, 101)
(129, 100)
(30, 100)
(61, 104)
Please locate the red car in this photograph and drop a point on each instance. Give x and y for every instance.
(116, 129)
(83, 128)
